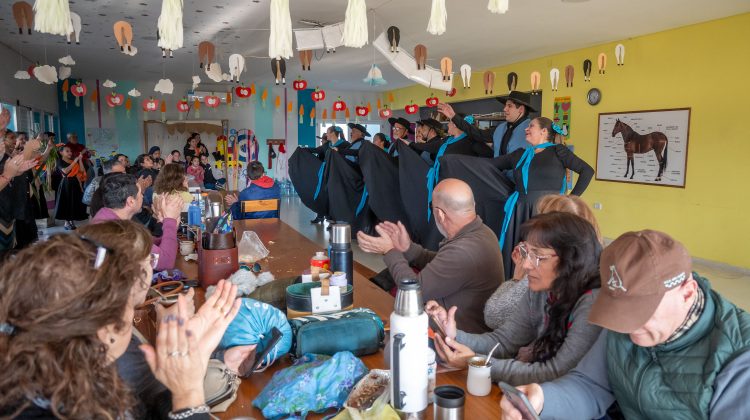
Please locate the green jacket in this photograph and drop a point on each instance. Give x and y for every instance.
(674, 379)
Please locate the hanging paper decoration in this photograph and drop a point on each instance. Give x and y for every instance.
(318, 95)
(206, 53)
(369, 111)
(124, 35)
(394, 38)
(252, 88)
(22, 75)
(94, 100)
(569, 75)
(169, 25)
(312, 117)
(236, 66)
(182, 108)
(466, 75)
(420, 56)
(451, 92)
(375, 77)
(280, 41)
(299, 84)
(497, 6)
(115, 99)
(378, 103)
(333, 114)
(347, 115)
(263, 97)
(52, 17)
(339, 105)
(74, 27)
(289, 107)
(587, 70)
(46, 74)
(278, 68)
(128, 107)
(385, 113)
(212, 101)
(163, 110)
(229, 98)
(63, 72)
(301, 113)
(602, 62)
(197, 108)
(554, 77)
(78, 90)
(361, 111)
(411, 109)
(164, 86)
(432, 101)
(325, 114)
(438, 18)
(355, 24)
(277, 102)
(536, 78)
(620, 54)
(65, 86)
(23, 15)
(512, 81)
(242, 92)
(489, 82)
(390, 97)
(305, 57)
(150, 104)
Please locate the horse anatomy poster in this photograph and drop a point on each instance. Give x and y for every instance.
(644, 147)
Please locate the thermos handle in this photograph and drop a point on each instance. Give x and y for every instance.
(398, 344)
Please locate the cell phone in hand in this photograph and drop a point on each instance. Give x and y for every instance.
(519, 401)
(436, 327)
(268, 343)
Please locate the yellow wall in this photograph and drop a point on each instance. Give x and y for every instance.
(705, 67)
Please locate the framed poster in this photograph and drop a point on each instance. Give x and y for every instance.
(644, 147)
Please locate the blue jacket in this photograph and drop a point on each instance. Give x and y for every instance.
(257, 192)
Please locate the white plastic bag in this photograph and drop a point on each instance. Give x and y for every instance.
(251, 248)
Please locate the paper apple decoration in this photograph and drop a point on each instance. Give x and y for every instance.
(243, 92)
(451, 92)
(411, 109)
(79, 89)
(432, 101)
(30, 70)
(212, 101)
(339, 105)
(115, 99)
(182, 105)
(299, 84)
(361, 111)
(385, 113)
(150, 105)
(318, 95)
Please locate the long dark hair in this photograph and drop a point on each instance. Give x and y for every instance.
(578, 249)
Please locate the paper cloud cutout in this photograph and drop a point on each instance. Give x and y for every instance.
(133, 51)
(226, 77)
(134, 93)
(46, 74)
(164, 86)
(67, 60)
(109, 84)
(63, 72)
(215, 73)
(196, 81)
(22, 74)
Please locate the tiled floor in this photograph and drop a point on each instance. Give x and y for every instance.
(732, 283)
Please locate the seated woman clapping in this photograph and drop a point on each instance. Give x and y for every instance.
(549, 331)
(66, 314)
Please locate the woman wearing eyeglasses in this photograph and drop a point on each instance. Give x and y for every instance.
(549, 331)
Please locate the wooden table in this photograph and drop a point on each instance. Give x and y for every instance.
(290, 254)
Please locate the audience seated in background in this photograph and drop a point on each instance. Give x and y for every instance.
(109, 166)
(175, 156)
(122, 199)
(262, 187)
(549, 332)
(60, 333)
(209, 180)
(502, 304)
(196, 170)
(671, 346)
(172, 181)
(464, 271)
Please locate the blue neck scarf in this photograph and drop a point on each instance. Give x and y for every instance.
(434, 173)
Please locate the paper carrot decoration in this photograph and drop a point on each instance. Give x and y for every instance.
(289, 106)
(301, 113)
(312, 117)
(346, 114)
(379, 104)
(229, 99)
(325, 114)
(65, 88)
(163, 111)
(252, 89)
(128, 107)
(277, 102)
(263, 97)
(390, 97)
(197, 107)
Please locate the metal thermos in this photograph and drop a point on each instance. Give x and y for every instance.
(340, 250)
(408, 351)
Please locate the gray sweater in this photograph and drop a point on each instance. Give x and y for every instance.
(501, 306)
(525, 326)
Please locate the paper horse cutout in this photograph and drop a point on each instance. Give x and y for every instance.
(236, 66)
(23, 15)
(206, 52)
(75, 27)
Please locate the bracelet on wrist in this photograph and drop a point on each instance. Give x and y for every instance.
(188, 412)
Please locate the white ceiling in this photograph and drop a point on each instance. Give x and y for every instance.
(531, 28)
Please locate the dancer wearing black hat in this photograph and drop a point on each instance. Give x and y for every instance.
(401, 129)
(358, 134)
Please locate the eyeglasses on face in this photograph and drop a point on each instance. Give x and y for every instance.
(535, 258)
(153, 260)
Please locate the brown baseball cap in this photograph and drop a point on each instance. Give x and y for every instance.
(637, 269)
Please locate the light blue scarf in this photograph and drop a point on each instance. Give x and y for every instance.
(434, 173)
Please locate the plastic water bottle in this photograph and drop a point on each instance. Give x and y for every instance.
(194, 214)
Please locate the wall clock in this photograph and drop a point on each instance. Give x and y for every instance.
(594, 96)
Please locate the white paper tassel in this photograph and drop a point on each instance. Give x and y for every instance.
(170, 25)
(280, 41)
(438, 18)
(498, 6)
(355, 24)
(52, 16)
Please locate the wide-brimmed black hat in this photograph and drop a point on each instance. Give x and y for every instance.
(359, 127)
(432, 123)
(402, 121)
(520, 98)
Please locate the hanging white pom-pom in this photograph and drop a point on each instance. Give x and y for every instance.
(52, 17)
(498, 6)
(355, 24)
(438, 18)
(280, 41)
(170, 25)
